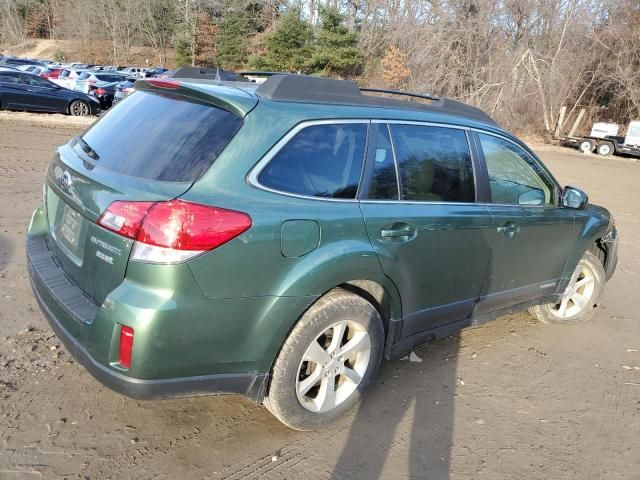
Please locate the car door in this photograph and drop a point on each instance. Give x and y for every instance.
(12, 91)
(431, 237)
(42, 95)
(533, 235)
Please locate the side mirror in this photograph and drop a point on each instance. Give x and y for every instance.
(574, 198)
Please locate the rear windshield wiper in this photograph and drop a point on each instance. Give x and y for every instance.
(87, 149)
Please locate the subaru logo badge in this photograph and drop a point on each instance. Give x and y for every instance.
(64, 180)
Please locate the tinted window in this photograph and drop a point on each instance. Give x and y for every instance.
(514, 178)
(320, 161)
(109, 78)
(161, 137)
(434, 163)
(8, 77)
(84, 76)
(36, 81)
(384, 183)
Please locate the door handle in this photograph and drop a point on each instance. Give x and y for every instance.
(509, 229)
(396, 232)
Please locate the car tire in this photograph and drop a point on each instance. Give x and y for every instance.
(305, 394)
(580, 301)
(605, 149)
(586, 145)
(79, 108)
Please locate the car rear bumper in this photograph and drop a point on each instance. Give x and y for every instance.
(63, 303)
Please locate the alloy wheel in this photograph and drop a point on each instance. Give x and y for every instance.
(333, 366)
(578, 294)
(80, 109)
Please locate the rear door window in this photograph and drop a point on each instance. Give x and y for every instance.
(319, 161)
(9, 77)
(161, 137)
(434, 163)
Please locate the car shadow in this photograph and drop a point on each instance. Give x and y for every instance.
(407, 417)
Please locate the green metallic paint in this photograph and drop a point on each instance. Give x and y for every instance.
(229, 310)
(299, 237)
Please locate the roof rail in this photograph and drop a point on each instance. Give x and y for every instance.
(288, 87)
(426, 96)
(263, 74)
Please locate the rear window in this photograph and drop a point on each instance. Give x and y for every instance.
(161, 137)
(84, 76)
(320, 161)
(109, 78)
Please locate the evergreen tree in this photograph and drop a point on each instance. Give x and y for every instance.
(288, 46)
(335, 51)
(236, 29)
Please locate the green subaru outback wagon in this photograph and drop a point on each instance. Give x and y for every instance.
(278, 240)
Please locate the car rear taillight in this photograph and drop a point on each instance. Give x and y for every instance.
(100, 91)
(124, 218)
(126, 346)
(173, 231)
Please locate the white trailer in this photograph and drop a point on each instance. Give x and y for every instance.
(604, 140)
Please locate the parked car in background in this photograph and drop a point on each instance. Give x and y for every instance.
(155, 72)
(67, 78)
(51, 73)
(96, 78)
(123, 89)
(104, 94)
(29, 92)
(137, 72)
(14, 62)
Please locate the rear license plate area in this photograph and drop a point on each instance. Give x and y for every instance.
(69, 227)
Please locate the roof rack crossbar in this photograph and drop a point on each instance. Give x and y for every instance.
(400, 92)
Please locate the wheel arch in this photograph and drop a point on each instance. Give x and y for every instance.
(592, 225)
(383, 295)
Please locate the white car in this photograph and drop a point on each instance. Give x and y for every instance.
(135, 72)
(67, 78)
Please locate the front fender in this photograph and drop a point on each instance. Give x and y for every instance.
(592, 224)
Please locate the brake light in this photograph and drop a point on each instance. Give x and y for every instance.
(100, 91)
(164, 83)
(126, 346)
(124, 218)
(173, 231)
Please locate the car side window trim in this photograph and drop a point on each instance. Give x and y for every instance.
(532, 159)
(256, 170)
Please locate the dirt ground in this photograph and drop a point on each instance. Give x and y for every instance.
(511, 399)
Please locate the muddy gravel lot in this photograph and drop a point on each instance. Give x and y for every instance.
(511, 399)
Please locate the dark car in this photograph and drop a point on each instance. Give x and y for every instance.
(156, 72)
(278, 241)
(14, 62)
(25, 91)
(123, 89)
(104, 94)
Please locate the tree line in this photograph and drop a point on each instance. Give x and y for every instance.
(519, 60)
